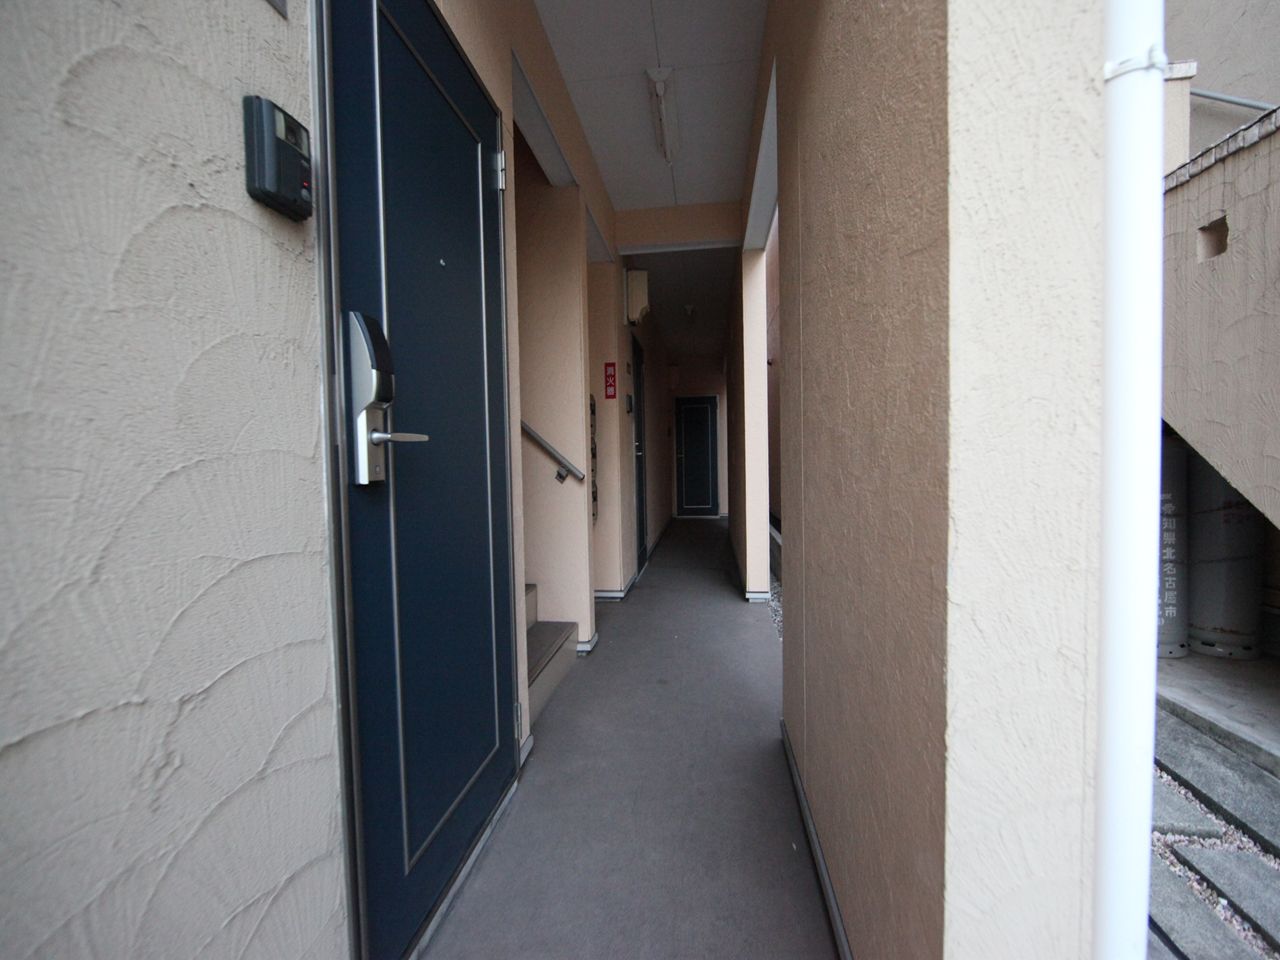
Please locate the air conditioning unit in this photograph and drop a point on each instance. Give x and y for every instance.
(637, 296)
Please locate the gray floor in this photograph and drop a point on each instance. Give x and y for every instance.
(1235, 701)
(655, 817)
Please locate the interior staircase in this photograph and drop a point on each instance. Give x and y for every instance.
(551, 646)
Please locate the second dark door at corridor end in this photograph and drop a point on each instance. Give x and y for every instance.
(697, 478)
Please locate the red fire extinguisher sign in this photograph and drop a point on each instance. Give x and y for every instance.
(610, 381)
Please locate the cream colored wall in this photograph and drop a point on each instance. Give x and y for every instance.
(169, 750)
(1025, 337)
(748, 426)
(1177, 114)
(551, 256)
(939, 445)
(604, 304)
(773, 351)
(704, 377)
(669, 228)
(1234, 46)
(1222, 339)
(864, 450)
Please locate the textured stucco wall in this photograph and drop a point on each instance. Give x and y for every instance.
(862, 175)
(1025, 135)
(551, 252)
(166, 703)
(1222, 338)
(773, 354)
(1234, 46)
(659, 430)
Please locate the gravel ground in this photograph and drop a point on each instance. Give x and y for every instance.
(1232, 839)
(775, 603)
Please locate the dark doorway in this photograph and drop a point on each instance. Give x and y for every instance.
(430, 625)
(637, 420)
(697, 478)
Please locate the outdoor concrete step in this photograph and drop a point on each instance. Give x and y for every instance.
(1241, 793)
(1175, 814)
(546, 637)
(1189, 923)
(530, 605)
(1249, 884)
(1156, 950)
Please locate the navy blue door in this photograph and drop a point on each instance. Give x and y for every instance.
(430, 679)
(697, 479)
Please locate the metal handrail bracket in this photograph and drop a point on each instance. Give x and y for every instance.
(566, 469)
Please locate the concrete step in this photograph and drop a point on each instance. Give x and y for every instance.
(530, 605)
(1240, 792)
(1156, 949)
(1189, 923)
(1175, 814)
(552, 650)
(545, 640)
(1249, 884)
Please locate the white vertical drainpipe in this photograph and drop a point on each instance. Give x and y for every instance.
(1131, 410)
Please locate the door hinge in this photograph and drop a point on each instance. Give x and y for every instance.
(500, 164)
(519, 715)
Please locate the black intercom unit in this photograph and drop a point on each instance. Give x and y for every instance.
(277, 159)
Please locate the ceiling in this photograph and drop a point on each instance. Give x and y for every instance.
(702, 279)
(604, 48)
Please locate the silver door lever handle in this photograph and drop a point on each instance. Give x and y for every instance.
(381, 436)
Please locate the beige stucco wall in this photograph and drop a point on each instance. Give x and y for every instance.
(747, 419)
(864, 449)
(671, 228)
(551, 262)
(1025, 295)
(1222, 339)
(773, 353)
(939, 403)
(604, 305)
(1234, 46)
(167, 699)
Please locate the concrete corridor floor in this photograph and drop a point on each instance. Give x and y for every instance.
(655, 817)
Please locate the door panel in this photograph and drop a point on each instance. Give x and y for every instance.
(637, 419)
(430, 656)
(697, 480)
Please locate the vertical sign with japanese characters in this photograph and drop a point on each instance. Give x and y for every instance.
(611, 380)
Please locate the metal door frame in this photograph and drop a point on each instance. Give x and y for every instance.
(334, 412)
(713, 455)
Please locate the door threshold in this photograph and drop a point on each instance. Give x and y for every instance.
(419, 950)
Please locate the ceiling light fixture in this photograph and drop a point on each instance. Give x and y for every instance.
(662, 99)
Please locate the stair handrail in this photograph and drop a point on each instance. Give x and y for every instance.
(566, 468)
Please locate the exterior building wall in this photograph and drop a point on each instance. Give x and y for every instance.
(673, 228)
(551, 253)
(863, 247)
(168, 706)
(1221, 338)
(659, 430)
(1025, 301)
(1233, 45)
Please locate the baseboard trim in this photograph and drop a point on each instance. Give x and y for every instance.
(419, 950)
(819, 861)
(588, 646)
(610, 595)
(756, 596)
(526, 748)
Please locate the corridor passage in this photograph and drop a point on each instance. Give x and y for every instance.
(655, 816)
